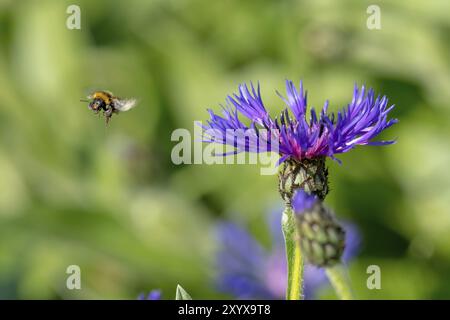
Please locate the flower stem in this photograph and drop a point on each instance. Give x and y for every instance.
(294, 257)
(340, 281)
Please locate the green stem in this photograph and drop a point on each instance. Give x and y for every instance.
(294, 257)
(340, 281)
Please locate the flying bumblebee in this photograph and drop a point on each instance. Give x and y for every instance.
(105, 101)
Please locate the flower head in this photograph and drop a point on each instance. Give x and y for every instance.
(246, 270)
(294, 135)
(239, 261)
(153, 295)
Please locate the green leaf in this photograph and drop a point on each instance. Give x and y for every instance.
(182, 294)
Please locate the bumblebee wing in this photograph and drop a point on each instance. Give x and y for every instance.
(124, 104)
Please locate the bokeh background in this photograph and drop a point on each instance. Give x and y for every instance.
(110, 200)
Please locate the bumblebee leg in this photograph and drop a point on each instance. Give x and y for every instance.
(108, 114)
(105, 109)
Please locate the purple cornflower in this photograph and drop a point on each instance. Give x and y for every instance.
(153, 295)
(246, 270)
(292, 135)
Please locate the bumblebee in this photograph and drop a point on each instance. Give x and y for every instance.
(105, 101)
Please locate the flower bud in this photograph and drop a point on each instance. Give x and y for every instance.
(310, 175)
(321, 237)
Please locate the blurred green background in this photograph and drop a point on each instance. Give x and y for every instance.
(111, 201)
